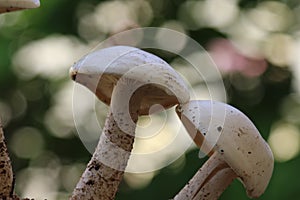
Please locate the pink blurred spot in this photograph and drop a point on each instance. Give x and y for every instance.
(229, 59)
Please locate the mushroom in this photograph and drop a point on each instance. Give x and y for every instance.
(235, 146)
(130, 81)
(13, 5)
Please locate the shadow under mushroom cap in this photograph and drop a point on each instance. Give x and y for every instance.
(102, 70)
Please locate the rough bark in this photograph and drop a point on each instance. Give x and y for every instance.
(6, 173)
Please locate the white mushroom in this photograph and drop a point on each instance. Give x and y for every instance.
(13, 5)
(130, 81)
(237, 150)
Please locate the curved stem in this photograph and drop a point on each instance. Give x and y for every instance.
(209, 182)
(6, 173)
(105, 170)
(213, 189)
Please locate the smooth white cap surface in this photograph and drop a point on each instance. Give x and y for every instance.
(102, 69)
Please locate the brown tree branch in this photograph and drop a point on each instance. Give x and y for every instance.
(6, 173)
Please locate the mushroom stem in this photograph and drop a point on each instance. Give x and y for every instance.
(6, 173)
(216, 185)
(105, 170)
(210, 180)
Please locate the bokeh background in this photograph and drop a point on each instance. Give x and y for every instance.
(255, 44)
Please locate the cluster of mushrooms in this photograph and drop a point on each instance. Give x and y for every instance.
(130, 81)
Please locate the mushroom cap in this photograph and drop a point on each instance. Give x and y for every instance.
(102, 69)
(11, 5)
(232, 134)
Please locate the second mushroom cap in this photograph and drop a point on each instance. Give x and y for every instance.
(219, 127)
